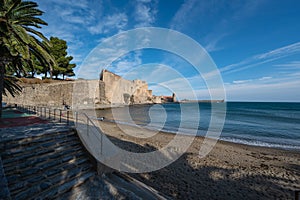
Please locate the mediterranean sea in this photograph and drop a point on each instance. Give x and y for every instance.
(252, 123)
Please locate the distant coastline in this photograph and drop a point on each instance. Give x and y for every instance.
(202, 101)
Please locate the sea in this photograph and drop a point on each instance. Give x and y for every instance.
(253, 123)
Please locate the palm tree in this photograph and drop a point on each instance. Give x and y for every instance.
(19, 38)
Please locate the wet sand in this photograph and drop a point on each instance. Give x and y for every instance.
(229, 171)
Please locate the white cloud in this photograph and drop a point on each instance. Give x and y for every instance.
(263, 58)
(126, 64)
(280, 52)
(212, 41)
(72, 14)
(256, 90)
(69, 21)
(74, 3)
(293, 65)
(114, 22)
(145, 12)
(182, 16)
(242, 81)
(260, 91)
(265, 78)
(247, 81)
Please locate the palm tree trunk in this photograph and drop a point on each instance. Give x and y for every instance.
(2, 71)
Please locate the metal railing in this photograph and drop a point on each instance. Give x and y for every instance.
(83, 123)
(60, 115)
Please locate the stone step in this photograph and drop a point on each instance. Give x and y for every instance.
(17, 148)
(43, 162)
(17, 144)
(51, 190)
(30, 171)
(54, 176)
(13, 142)
(18, 133)
(39, 152)
(44, 165)
(55, 193)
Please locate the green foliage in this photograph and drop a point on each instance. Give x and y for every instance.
(33, 66)
(17, 34)
(59, 51)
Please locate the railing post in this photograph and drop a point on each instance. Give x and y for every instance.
(87, 125)
(49, 113)
(101, 137)
(59, 116)
(76, 120)
(54, 114)
(67, 117)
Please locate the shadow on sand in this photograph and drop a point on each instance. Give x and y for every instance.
(182, 180)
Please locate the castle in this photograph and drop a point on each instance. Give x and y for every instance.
(122, 91)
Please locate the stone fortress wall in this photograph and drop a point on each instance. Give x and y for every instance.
(122, 91)
(110, 89)
(52, 94)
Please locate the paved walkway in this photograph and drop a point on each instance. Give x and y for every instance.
(21, 121)
(31, 130)
(12, 117)
(107, 187)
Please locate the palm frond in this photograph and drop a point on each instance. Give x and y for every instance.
(11, 86)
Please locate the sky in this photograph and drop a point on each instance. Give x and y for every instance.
(254, 45)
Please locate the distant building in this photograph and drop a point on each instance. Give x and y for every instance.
(168, 99)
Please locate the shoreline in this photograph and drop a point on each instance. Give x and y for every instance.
(220, 139)
(230, 170)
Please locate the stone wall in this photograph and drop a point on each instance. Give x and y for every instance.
(57, 94)
(110, 89)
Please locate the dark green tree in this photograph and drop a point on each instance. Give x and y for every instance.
(19, 37)
(33, 66)
(59, 51)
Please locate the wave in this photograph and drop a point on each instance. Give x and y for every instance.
(260, 143)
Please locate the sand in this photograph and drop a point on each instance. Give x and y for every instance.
(229, 171)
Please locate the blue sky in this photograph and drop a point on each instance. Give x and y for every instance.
(254, 44)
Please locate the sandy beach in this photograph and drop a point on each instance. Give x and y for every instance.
(229, 171)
